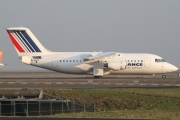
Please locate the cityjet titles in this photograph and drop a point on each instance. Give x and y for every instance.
(135, 64)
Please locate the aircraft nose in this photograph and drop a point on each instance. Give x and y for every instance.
(175, 68)
(171, 68)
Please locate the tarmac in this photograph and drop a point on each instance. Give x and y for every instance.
(54, 80)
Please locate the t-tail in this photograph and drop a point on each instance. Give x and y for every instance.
(25, 43)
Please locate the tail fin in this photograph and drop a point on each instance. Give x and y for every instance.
(1, 55)
(25, 42)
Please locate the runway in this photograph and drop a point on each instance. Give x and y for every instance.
(90, 83)
(53, 80)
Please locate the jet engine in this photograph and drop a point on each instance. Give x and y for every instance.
(121, 65)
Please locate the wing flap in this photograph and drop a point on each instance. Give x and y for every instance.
(101, 56)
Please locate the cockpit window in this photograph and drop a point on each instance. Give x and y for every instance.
(163, 60)
(159, 60)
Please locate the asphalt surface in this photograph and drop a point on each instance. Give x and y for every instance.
(54, 80)
(91, 83)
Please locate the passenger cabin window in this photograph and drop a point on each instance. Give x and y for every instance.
(76, 60)
(60, 61)
(141, 60)
(66, 60)
(63, 60)
(73, 60)
(69, 60)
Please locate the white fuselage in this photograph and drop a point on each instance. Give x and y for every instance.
(75, 63)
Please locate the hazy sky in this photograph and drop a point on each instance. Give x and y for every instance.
(135, 26)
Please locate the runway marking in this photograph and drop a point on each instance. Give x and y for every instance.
(95, 83)
(71, 83)
(106, 83)
(89, 83)
(53, 83)
(47, 83)
(100, 83)
(76, 83)
(17, 83)
(125, 84)
(30, 83)
(41, 83)
(65, 82)
(137, 84)
(83, 83)
(172, 84)
(160, 84)
(92, 83)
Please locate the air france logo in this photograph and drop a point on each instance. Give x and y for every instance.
(135, 64)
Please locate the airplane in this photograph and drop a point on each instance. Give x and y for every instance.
(32, 52)
(1, 55)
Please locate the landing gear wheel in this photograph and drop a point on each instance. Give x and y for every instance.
(97, 76)
(164, 76)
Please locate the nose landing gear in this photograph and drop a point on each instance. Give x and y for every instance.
(163, 76)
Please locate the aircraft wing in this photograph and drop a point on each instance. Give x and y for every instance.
(100, 56)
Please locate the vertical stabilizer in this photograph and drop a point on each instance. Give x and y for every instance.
(25, 42)
(1, 55)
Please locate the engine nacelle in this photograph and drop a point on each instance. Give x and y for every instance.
(121, 65)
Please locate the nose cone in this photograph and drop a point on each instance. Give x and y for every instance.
(175, 68)
(170, 68)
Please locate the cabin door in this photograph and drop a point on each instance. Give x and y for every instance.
(147, 62)
(54, 62)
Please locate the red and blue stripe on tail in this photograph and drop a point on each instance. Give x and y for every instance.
(25, 42)
(22, 41)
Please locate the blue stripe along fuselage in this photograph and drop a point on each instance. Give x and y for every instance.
(135, 64)
(30, 41)
(22, 38)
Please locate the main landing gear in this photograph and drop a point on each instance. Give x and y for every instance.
(97, 76)
(163, 76)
